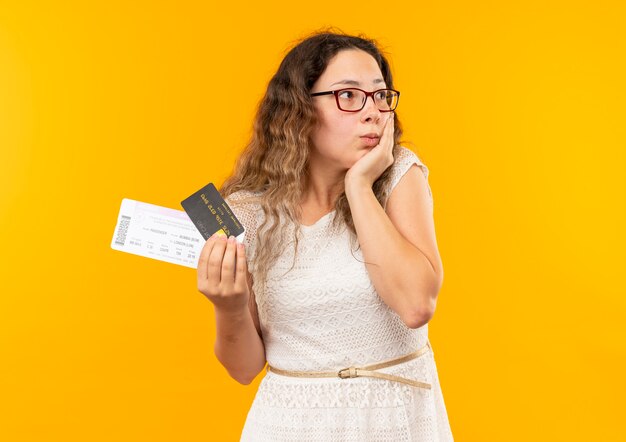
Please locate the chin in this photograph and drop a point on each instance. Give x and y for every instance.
(364, 151)
(358, 155)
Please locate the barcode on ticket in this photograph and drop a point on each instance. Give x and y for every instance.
(122, 230)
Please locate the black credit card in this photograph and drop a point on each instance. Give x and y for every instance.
(210, 213)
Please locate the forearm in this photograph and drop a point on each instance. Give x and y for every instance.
(403, 276)
(238, 346)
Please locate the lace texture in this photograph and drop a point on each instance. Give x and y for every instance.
(319, 311)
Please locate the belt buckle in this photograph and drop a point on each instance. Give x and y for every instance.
(350, 372)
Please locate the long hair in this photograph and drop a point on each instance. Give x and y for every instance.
(274, 164)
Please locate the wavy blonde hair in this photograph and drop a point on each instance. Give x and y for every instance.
(274, 164)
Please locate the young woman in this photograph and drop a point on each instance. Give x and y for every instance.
(339, 272)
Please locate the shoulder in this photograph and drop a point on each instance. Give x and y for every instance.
(247, 208)
(404, 159)
(242, 197)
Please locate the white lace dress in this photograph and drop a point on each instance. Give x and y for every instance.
(325, 315)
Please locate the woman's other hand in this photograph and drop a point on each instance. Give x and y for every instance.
(222, 274)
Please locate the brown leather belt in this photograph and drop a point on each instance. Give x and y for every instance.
(366, 371)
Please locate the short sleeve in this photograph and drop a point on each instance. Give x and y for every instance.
(243, 205)
(404, 159)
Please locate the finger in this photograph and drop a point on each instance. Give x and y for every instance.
(390, 129)
(216, 257)
(241, 273)
(387, 135)
(203, 259)
(387, 140)
(228, 264)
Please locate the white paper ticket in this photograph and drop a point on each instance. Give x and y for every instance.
(157, 232)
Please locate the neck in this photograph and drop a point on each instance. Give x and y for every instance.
(323, 186)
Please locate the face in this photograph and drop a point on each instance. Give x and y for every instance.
(341, 138)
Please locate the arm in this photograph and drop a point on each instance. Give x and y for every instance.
(224, 279)
(399, 244)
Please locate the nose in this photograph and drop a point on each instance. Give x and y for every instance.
(370, 111)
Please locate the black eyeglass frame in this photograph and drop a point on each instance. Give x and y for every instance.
(336, 93)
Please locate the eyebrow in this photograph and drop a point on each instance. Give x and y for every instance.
(356, 83)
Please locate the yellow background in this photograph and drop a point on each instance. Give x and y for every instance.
(516, 107)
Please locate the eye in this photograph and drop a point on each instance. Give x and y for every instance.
(346, 94)
(381, 95)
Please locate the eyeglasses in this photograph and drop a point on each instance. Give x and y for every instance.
(353, 99)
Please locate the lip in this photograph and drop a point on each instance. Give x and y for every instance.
(371, 139)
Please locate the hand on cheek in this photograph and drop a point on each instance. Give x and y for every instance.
(367, 169)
